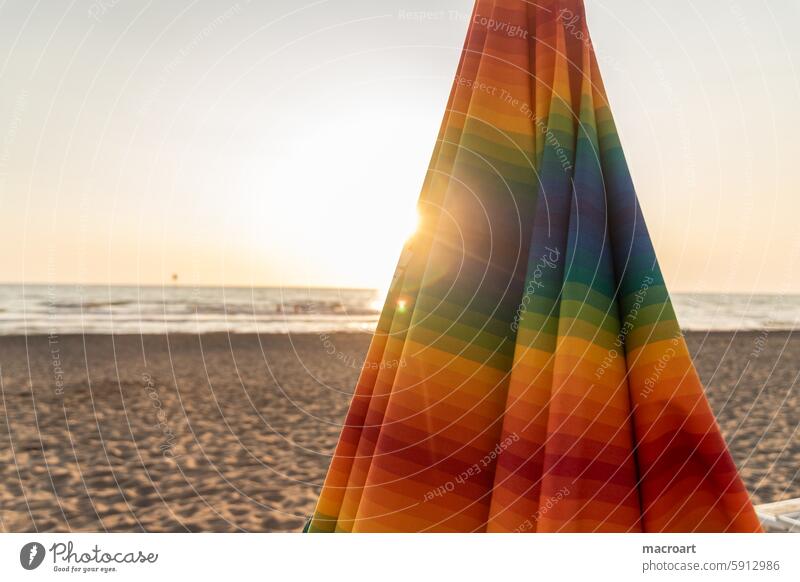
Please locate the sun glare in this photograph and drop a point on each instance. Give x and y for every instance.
(409, 225)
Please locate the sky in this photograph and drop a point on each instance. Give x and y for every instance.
(284, 143)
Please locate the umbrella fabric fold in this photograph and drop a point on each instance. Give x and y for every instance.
(528, 373)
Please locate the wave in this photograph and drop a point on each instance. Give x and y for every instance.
(70, 309)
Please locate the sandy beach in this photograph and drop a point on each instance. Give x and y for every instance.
(234, 432)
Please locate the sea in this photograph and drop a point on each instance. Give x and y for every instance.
(74, 309)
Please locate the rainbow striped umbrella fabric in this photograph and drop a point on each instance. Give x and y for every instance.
(528, 373)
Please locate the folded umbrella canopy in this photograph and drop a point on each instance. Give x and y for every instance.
(528, 373)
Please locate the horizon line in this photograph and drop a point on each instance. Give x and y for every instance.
(316, 287)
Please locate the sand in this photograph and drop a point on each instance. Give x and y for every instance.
(234, 433)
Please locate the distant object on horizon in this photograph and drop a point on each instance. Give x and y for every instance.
(174, 277)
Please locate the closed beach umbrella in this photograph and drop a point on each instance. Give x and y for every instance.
(528, 373)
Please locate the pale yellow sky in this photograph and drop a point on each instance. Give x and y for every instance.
(285, 143)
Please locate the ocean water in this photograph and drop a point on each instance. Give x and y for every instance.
(42, 309)
(63, 309)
